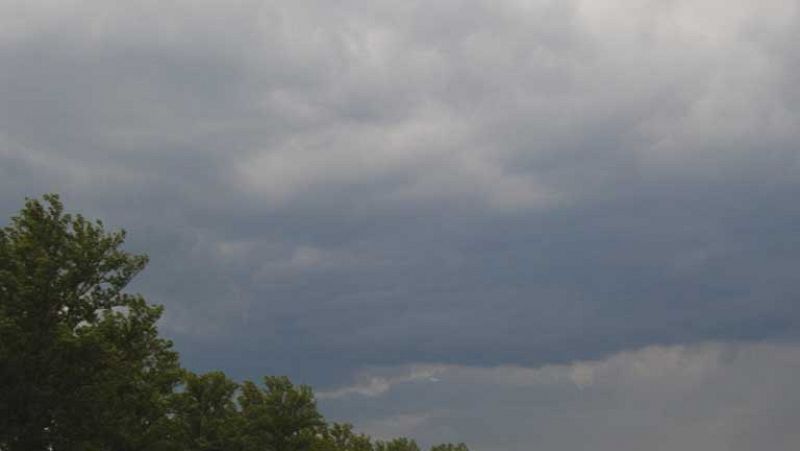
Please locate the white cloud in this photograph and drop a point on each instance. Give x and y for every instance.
(373, 385)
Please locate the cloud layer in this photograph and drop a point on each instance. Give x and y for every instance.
(326, 186)
(715, 397)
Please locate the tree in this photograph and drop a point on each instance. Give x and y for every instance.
(82, 366)
(450, 447)
(398, 444)
(279, 417)
(206, 413)
(340, 437)
(81, 362)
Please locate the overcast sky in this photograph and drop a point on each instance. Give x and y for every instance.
(514, 223)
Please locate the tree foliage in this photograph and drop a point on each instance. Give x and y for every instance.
(206, 414)
(279, 416)
(398, 444)
(340, 437)
(450, 447)
(82, 366)
(74, 348)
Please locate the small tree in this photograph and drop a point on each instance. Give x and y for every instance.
(279, 417)
(398, 444)
(450, 447)
(206, 413)
(340, 437)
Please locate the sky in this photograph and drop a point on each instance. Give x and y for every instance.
(519, 224)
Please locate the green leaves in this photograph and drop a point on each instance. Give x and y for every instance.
(450, 447)
(340, 437)
(206, 415)
(279, 416)
(82, 364)
(398, 444)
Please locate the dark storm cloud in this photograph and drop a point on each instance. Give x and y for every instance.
(329, 185)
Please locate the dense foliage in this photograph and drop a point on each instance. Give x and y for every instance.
(82, 366)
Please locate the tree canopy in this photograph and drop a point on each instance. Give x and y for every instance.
(82, 365)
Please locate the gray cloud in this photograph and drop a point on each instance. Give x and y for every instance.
(323, 187)
(707, 396)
